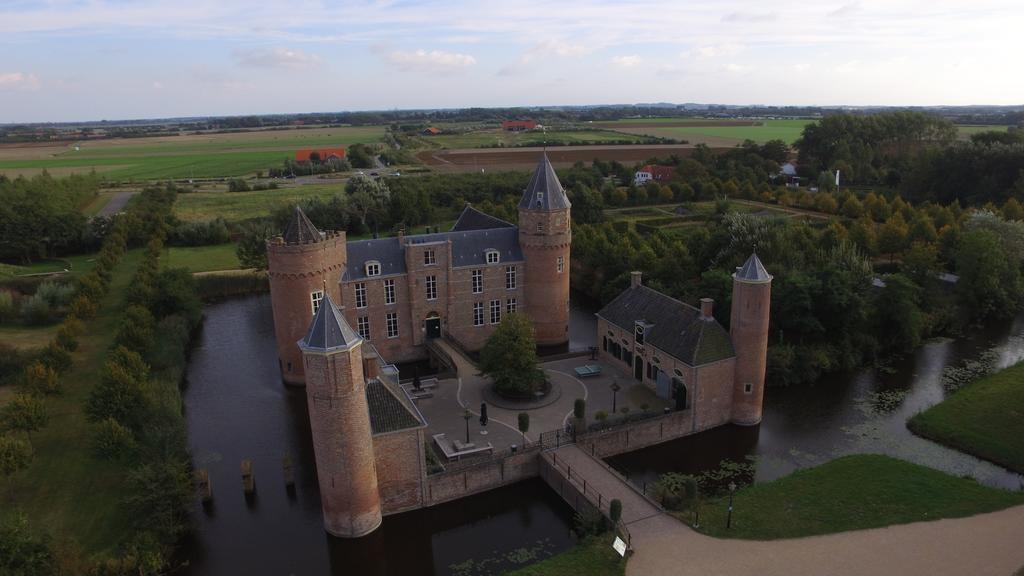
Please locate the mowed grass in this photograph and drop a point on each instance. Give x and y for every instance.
(202, 258)
(239, 206)
(985, 418)
(591, 557)
(850, 493)
(785, 130)
(75, 265)
(498, 137)
(27, 337)
(65, 490)
(187, 156)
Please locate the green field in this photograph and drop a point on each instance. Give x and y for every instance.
(239, 206)
(497, 137)
(27, 337)
(966, 130)
(592, 557)
(786, 130)
(985, 418)
(74, 264)
(66, 490)
(850, 493)
(202, 258)
(199, 156)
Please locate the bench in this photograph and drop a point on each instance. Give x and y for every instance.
(456, 449)
(588, 370)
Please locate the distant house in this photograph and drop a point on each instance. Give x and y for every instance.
(325, 154)
(431, 131)
(660, 174)
(787, 173)
(518, 125)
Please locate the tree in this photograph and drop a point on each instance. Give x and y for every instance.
(990, 282)
(252, 246)
(524, 424)
(510, 358)
(118, 395)
(367, 199)
(21, 553)
(15, 454)
(898, 314)
(892, 237)
(40, 379)
(25, 413)
(112, 440)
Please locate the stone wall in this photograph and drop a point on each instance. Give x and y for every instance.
(638, 434)
(460, 482)
(401, 469)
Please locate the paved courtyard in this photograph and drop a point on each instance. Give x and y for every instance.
(444, 411)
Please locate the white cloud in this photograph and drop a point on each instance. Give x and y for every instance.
(712, 51)
(436, 61)
(558, 48)
(18, 81)
(749, 17)
(281, 58)
(627, 61)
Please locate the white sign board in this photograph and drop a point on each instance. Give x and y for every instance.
(619, 546)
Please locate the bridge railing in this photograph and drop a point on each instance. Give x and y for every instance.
(593, 497)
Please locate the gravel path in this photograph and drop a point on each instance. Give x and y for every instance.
(117, 202)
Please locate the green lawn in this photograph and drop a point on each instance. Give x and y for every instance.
(27, 337)
(849, 493)
(239, 206)
(207, 156)
(786, 130)
(77, 264)
(202, 258)
(965, 130)
(592, 557)
(985, 418)
(65, 490)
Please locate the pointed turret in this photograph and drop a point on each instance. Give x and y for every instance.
(329, 330)
(300, 230)
(748, 326)
(752, 271)
(544, 192)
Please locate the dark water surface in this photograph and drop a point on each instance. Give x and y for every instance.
(238, 409)
(862, 412)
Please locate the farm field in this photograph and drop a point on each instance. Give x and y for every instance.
(474, 160)
(965, 131)
(496, 137)
(713, 133)
(186, 156)
(240, 206)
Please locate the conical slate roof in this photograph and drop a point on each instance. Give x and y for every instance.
(301, 230)
(545, 191)
(329, 330)
(752, 271)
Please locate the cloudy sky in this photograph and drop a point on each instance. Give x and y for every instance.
(94, 59)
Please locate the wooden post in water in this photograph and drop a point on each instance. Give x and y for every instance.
(248, 481)
(289, 472)
(203, 483)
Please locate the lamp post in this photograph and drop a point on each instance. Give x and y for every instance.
(467, 415)
(615, 390)
(728, 519)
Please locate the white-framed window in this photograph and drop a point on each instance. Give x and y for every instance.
(389, 291)
(360, 295)
(492, 256)
(561, 264)
(510, 277)
(495, 311)
(510, 306)
(431, 287)
(315, 298)
(392, 324)
(363, 326)
(429, 257)
(478, 313)
(478, 281)
(373, 268)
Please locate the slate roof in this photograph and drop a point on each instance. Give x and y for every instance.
(752, 270)
(387, 413)
(467, 250)
(329, 330)
(674, 327)
(544, 192)
(301, 230)
(473, 219)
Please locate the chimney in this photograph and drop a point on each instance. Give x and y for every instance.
(401, 236)
(635, 278)
(707, 308)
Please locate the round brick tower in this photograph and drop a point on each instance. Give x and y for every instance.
(339, 419)
(545, 237)
(301, 265)
(748, 326)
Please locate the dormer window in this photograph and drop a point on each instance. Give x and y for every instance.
(492, 256)
(638, 333)
(373, 268)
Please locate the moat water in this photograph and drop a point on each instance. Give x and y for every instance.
(238, 409)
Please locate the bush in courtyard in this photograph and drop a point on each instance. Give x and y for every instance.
(112, 440)
(601, 416)
(579, 408)
(40, 379)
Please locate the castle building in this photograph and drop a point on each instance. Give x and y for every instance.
(398, 292)
(686, 356)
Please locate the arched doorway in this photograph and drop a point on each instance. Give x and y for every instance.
(432, 325)
(638, 368)
(679, 394)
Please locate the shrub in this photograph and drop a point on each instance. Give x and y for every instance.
(91, 286)
(24, 413)
(112, 440)
(12, 363)
(579, 408)
(131, 362)
(118, 395)
(66, 338)
(36, 310)
(615, 510)
(137, 329)
(15, 454)
(56, 357)
(84, 307)
(176, 294)
(41, 379)
(601, 416)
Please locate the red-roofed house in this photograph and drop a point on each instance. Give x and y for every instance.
(324, 153)
(654, 172)
(518, 125)
(431, 131)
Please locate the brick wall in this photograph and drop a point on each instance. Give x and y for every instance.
(546, 289)
(456, 484)
(751, 303)
(401, 469)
